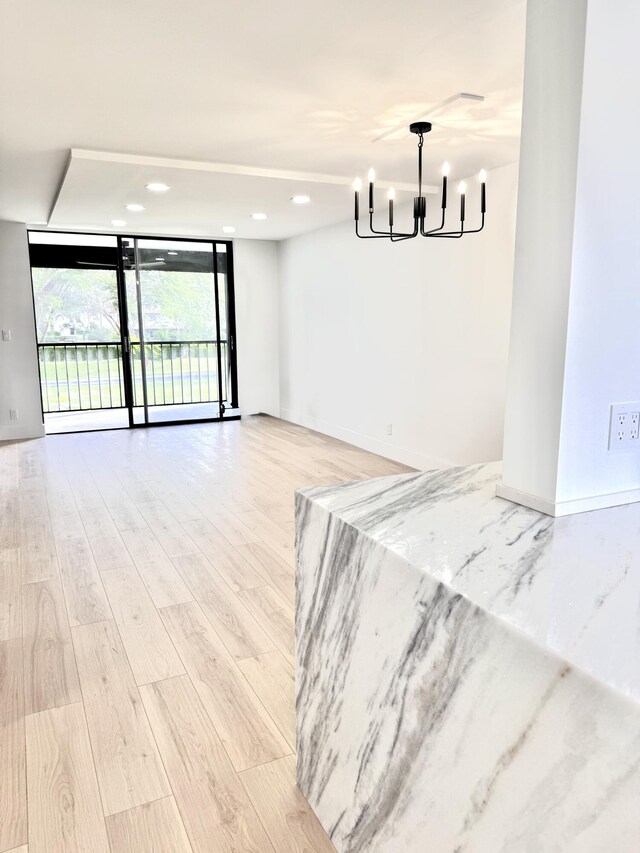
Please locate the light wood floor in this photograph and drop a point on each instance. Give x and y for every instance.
(146, 637)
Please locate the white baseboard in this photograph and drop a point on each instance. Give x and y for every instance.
(558, 509)
(404, 455)
(20, 432)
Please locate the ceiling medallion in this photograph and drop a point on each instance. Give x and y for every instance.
(420, 202)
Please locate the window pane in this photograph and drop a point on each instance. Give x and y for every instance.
(177, 285)
(76, 305)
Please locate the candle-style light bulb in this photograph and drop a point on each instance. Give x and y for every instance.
(371, 176)
(391, 194)
(445, 175)
(462, 189)
(483, 191)
(357, 185)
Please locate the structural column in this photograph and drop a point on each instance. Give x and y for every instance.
(575, 332)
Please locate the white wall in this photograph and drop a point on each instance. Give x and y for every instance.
(256, 287)
(603, 344)
(413, 334)
(19, 383)
(575, 345)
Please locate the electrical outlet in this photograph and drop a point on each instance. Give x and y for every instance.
(6, 334)
(13, 414)
(624, 426)
(389, 429)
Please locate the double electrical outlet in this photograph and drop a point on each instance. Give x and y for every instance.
(624, 426)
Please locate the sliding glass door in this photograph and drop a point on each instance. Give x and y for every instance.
(78, 331)
(180, 330)
(134, 331)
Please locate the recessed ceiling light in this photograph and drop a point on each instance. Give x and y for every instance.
(159, 259)
(118, 222)
(258, 215)
(172, 253)
(157, 187)
(229, 229)
(136, 208)
(301, 199)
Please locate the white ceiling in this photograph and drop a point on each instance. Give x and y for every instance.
(296, 87)
(202, 199)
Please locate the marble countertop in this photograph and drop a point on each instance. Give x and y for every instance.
(571, 584)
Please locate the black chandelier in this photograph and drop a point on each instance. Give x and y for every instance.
(420, 202)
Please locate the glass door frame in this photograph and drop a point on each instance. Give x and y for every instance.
(127, 353)
(125, 338)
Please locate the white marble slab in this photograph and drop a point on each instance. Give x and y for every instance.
(572, 584)
(467, 669)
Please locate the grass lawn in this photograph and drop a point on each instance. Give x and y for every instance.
(87, 379)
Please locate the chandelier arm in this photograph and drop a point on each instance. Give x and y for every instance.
(477, 230)
(460, 233)
(452, 235)
(433, 230)
(399, 238)
(396, 238)
(386, 233)
(370, 236)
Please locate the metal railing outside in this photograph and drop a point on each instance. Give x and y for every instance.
(85, 376)
(179, 372)
(81, 376)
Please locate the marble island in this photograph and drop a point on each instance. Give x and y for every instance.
(468, 670)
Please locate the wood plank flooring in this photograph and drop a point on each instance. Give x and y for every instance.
(147, 641)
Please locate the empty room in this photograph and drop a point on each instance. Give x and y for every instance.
(319, 427)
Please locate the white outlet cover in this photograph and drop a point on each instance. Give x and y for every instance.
(624, 432)
(6, 334)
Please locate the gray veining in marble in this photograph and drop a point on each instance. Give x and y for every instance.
(467, 669)
(572, 584)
